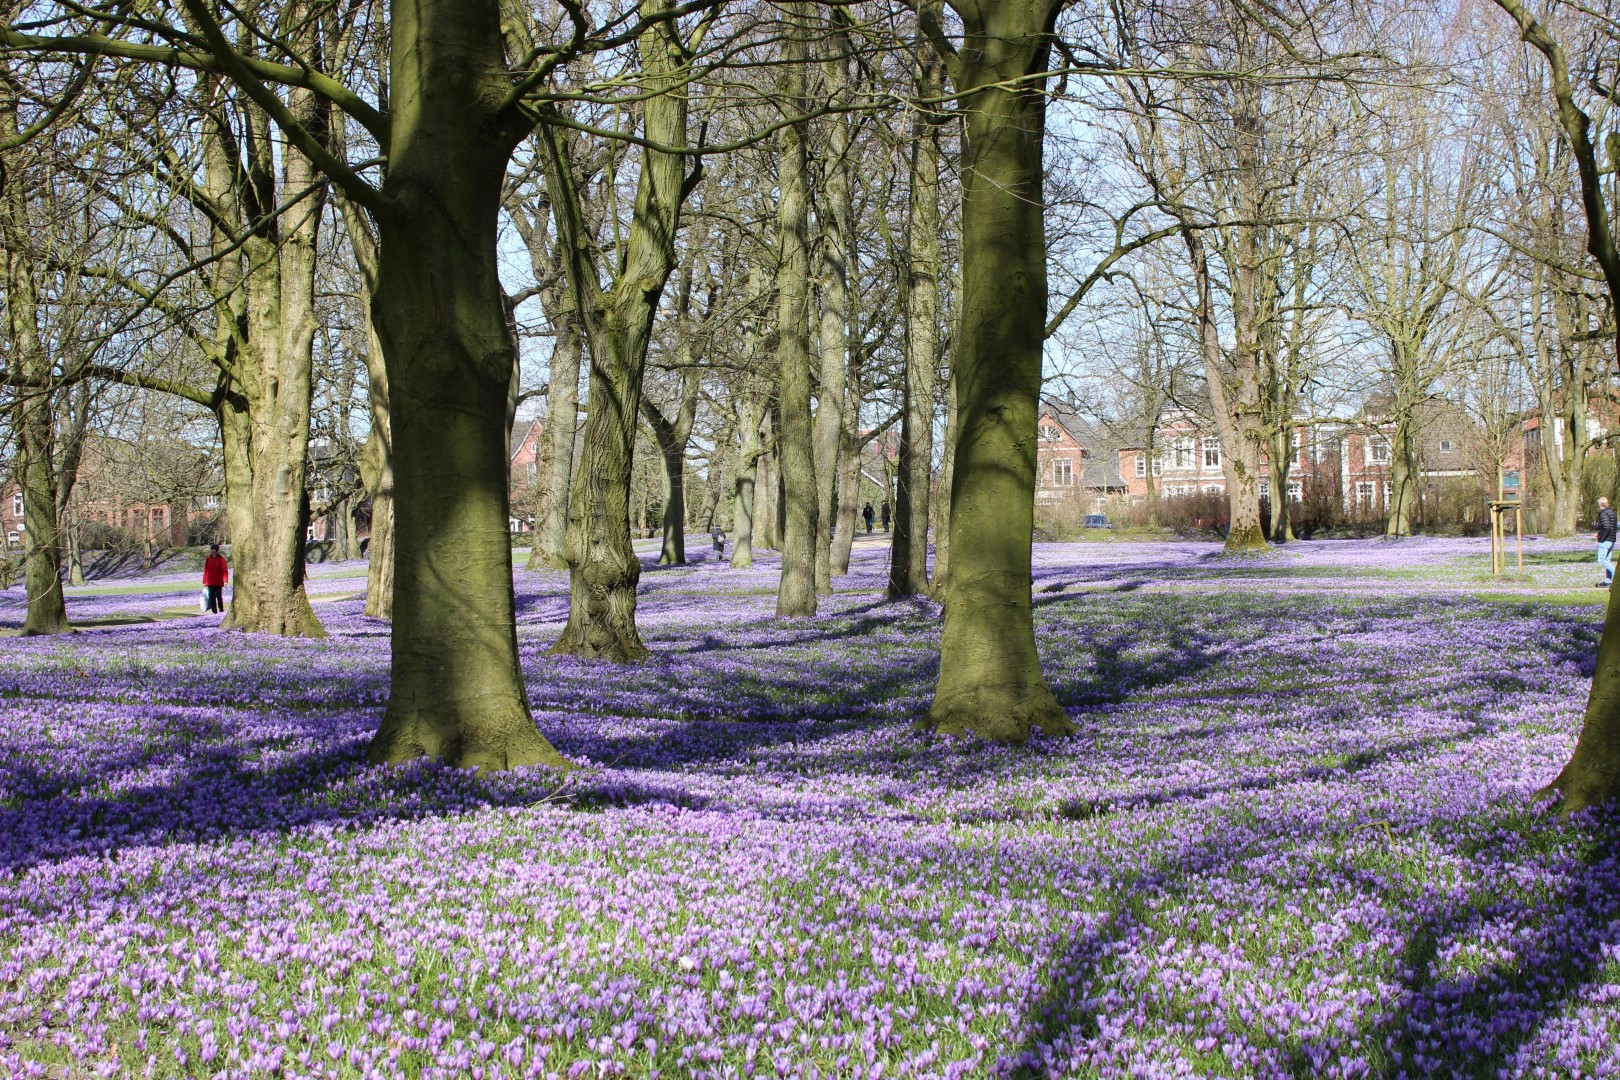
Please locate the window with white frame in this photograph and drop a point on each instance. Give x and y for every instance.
(1296, 491)
(1377, 450)
(1300, 440)
(1364, 493)
(1184, 453)
(1141, 465)
(1158, 464)
(1445, 444)
(16, 504)
(1212, 452)
(1387, 491)
(1049, 433)
(1062, 473)
(1212, 489)
(13, 539)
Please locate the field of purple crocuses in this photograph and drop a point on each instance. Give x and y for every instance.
(1294, 836)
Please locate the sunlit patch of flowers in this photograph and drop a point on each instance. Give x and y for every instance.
(1292, 836)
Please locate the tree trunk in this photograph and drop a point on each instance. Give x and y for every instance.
(990, 681)
(742, 507)
(1403, 477)
(768, 490)
(908, 562)
(672, 437)
(457, 690)
(557, 455)
(796, 592)
(938, 582)
(1281, 458)
(236, 443)
(603, 568)
(34, 412)
(835, 211)
(849, 477)
(279, 387)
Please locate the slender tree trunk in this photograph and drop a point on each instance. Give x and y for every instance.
(236, 443)
(557, 456)
(938, 583)
(457, 690)
(796, 593)
(742, 507)
(908, 562)
(672, 437)
(990, 681)
(849, 477)
(835, 211)
(34, 413)
(1403, 477)
(1281, 459)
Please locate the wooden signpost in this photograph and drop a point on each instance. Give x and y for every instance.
(1508, 500)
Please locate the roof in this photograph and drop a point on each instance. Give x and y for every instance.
(520, 435)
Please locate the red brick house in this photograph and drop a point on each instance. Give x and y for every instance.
(1073, 459)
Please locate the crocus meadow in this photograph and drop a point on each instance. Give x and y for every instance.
(1295, 835)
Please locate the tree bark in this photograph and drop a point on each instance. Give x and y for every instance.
(749, 415)
(457, 690)
(990, 681)
(834, 211)
(34, 411)
(796, 592)
(908, 562)
(603, 568)
(849, 475)
(938, 584)
(672, 437)
(557, 455)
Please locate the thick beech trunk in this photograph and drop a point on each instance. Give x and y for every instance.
(457, 690)
(990, 681)
(796, 591)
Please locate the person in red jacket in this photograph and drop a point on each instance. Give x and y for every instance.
(216, 572)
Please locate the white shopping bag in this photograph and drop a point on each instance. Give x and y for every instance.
(202, 605)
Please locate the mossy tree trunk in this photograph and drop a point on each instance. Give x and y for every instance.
(990, 681)
(457, 690)
(796, 591)
(33, 415)
(618, 321)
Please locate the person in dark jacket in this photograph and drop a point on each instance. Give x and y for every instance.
(216, 572)
(719, 536)
(886, 517)
(1605, 541)
(866, 512)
